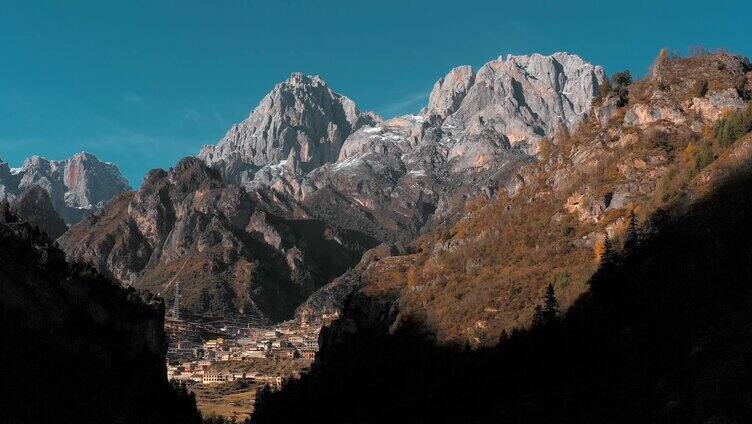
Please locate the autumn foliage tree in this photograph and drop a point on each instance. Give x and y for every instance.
(733, 126)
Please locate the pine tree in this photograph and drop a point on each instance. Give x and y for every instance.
(620, 83)
(632, 237)
(550, 305)
(622, 79)
(503, 337)
(608, 257)
(601, 281)
(538, 319)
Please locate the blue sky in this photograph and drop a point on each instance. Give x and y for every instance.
(144, 83)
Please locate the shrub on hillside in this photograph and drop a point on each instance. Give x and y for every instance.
(620, 82)
(733, 126)
(700, 88)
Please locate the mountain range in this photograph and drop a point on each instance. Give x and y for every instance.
(541, 243)
(308, 182)
(232, 257)
(393, 177)
(610, 287)
(293, 196)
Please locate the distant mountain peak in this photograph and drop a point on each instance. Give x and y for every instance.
(302, 114)
(449, 91)
(75, 185)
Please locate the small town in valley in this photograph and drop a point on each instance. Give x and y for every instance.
(197, 350)
(225, 362)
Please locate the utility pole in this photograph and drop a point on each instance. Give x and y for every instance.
(176, 303)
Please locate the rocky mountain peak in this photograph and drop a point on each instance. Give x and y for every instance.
(191, 172)
(309, 149)
(301, 114)
(449, 91)
(527, 97)
(75, 185)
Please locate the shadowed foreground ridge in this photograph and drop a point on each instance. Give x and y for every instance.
(662, 336)
(75, 346)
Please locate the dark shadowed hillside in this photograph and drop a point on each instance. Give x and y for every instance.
(75, 346)
(638, 222)
(644, 142)
(35, 207)
(663, 335)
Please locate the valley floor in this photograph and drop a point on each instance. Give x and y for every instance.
(230, 400)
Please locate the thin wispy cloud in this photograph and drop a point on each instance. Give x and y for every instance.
(18, 143)
(135, 153)
(131, 99)
(210, 117)
(403, 105)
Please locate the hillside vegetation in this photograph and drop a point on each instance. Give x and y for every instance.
(663, 335)
(644, 144)
(629, 256)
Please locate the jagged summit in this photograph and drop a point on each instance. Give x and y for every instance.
(301, 114)
(391, 177)
(449, 91)
(75, 185)
(522, 97)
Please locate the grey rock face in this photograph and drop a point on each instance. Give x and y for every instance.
(712, 106)
(606, 110)
(448, 92)
(391, 179)
(384, 182)
(76, 185)
(527, 97)
(301, 114)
